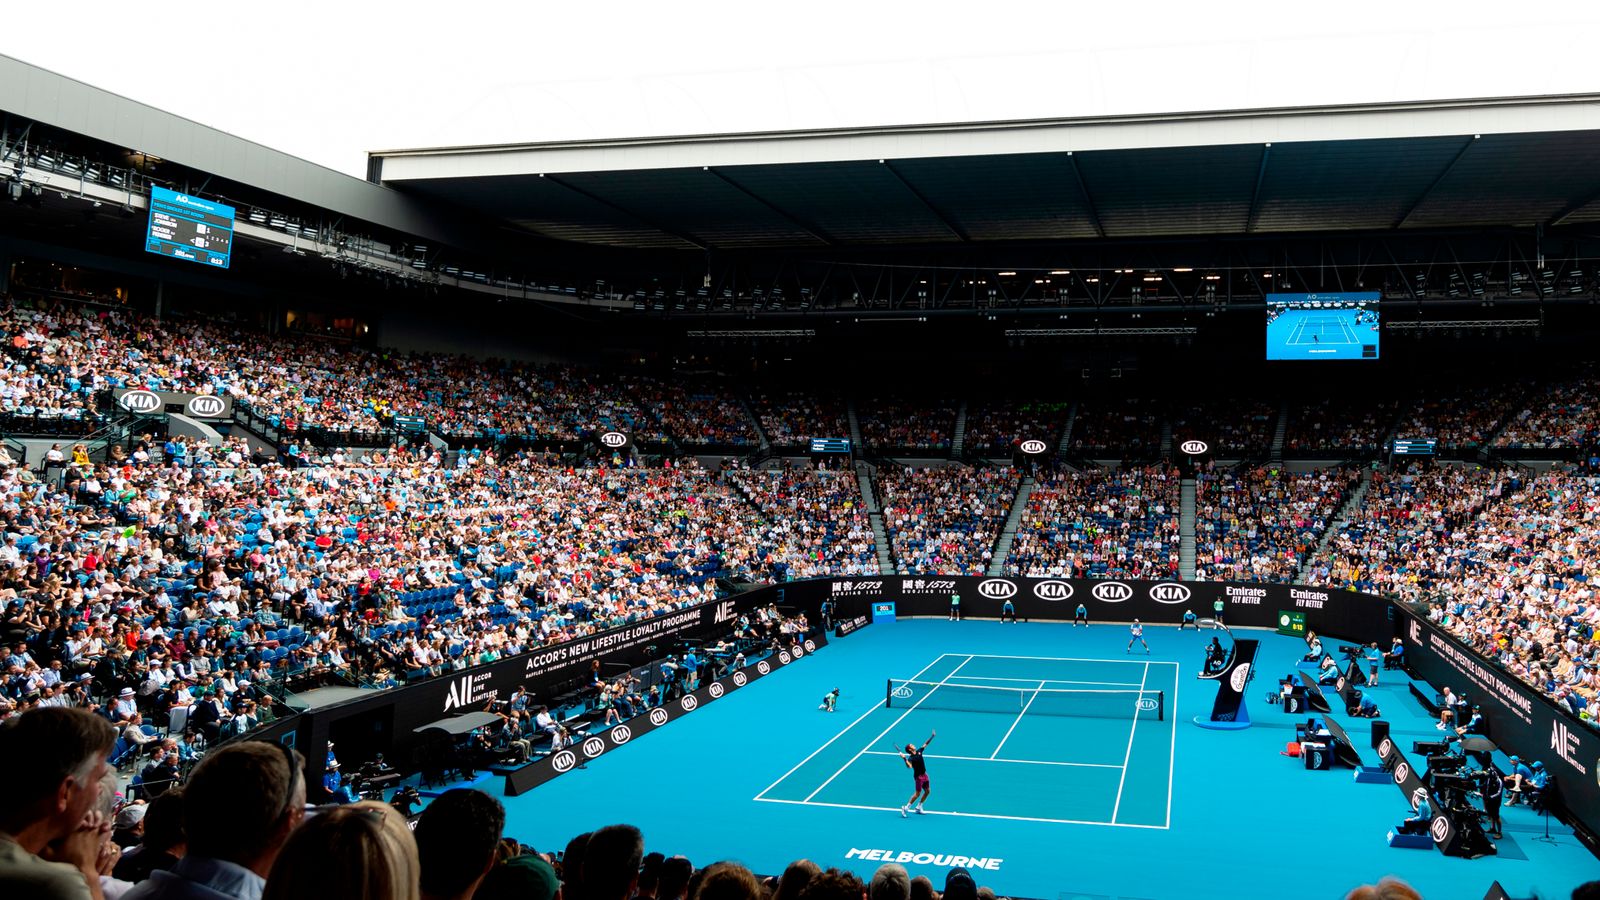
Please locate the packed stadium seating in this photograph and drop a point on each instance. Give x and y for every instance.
(1102, 523)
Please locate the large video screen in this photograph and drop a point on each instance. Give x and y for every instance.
(1322, 326)
(185, 227)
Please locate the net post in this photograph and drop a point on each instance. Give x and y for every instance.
(1161, 706)
(888, 693)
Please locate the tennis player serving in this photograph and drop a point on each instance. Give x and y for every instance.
(919, 772)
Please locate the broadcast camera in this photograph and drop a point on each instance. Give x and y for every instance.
(405, 800)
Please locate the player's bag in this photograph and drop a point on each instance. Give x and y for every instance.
(1292, 749)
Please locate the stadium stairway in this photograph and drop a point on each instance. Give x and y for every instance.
(1066, 431)
(958, 439)
(1186, 518)
(1280, 431)
(755, 422)
(855, 425)
(1166, 438)
(1339, 519)
(1002, 544)
(880, 534)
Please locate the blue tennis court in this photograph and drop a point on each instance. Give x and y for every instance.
(1028, 738)
(1107, 802)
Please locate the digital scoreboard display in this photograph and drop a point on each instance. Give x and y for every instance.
(1323, 326)
(185, 227)
(1414, 447)
(830, 445)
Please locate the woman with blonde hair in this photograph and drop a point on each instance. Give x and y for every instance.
(359, 851)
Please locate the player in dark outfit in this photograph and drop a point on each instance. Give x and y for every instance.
(919, 773)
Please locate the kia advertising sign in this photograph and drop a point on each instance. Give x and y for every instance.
(197, 406)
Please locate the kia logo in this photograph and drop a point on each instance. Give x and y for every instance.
(1441, 829)
(1194, 448)
(762, 667)
(1033, 448)
(739, 679)
(1402, 772)
(903, 692)
(716, 690)
(206, 407)
(140, 401)
(563, 761)
(688, 702)
(658, 717)
(1112, 592)
(1169, 592)
(798, 651)
(1147, 704)
(621, 734)
(593, 747)
(811, 646)
(783, 657)
(1385, 748)
(997, 589)
(613, 439)
(1054, 591)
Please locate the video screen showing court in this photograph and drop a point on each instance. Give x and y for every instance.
(1322, 326)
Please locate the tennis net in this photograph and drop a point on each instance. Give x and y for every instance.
(1101, 704)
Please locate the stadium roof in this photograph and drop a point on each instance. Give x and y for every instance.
(1518, 161)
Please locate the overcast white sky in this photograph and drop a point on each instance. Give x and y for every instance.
(332, 79)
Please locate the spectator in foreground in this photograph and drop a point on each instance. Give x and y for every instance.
(675, 875)
(890, 882)
(363, 850)
(922, 889)
(54, 759)
(795, 878)
(520, 878)
(240, 806)
(958, 885)
(163, 843)
(611, 863)
(456, 840)
(834, 884)
(1387, 888)
(728, 881)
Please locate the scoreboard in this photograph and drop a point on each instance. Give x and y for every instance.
(830, 445)
(1414, 447)
(185, 227)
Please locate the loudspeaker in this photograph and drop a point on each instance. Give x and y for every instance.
(1380, 730)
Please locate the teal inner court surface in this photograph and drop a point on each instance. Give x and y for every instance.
(1080, 795)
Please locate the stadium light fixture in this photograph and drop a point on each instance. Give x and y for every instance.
(1183, 269)
(1005, 274)
(1060, 271)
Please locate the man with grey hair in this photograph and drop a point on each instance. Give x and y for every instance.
(890, 882)
(54, 758)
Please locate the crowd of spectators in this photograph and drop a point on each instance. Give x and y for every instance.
(1100, 523)
(945, 520)
(817, 514)
(1559, 414)
(1260, 523)
(1129, 428)
(697, 414)
(1237, 426)
(1460, 419)
(899, 423)
(1325, 427)
(996, 427)
(793, 418)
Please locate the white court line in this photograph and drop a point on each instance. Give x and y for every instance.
(1031, 762)
(841, 733)
(887, 730)
(1018, 719)
(1129, 755)
(1131, 662)
(1172, 755)
(1052, 680)
(963, 815)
